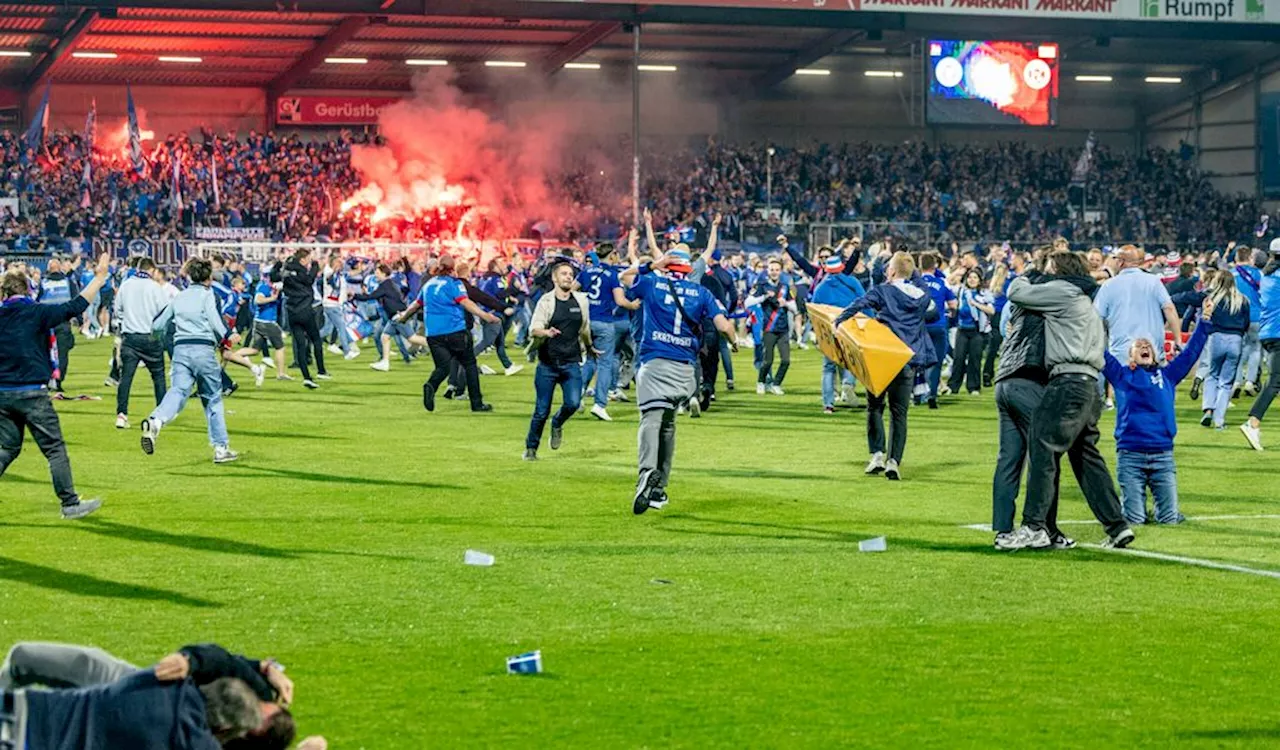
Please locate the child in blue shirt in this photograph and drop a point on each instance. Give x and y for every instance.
(1145, 423)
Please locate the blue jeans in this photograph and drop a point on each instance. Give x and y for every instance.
(726, 358)
(398, 333)
(604, 366)
(524, 315)
(545, 380)
(334, 319)
(1136, 472)
(830, 370)
(1250, 357)
(940, 345)
(1224, 359)
(195, 365)
(621, 340)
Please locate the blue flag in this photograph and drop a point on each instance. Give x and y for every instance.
(33, 140)
(135, 138)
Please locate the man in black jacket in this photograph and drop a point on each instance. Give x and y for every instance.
(201, 697)
(1020, 382)
(391, 303)
(25, 371)
(298, 276)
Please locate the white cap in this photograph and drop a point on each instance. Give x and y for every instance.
(1275, 246)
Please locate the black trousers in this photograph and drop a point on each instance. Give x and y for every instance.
(1272, 388)
(66, 342)
(709, 361)
(783, 344)
(1067, 422)
(966, 362)
(447, 349)
(32, 410)
(135, 348)
(306, 332)
(994, 340)
(898, 396)
(1017, 400)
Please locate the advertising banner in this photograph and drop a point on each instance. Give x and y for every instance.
(331, 110)
(230, 234)
(1196, 11)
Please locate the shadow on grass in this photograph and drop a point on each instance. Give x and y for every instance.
(86, 585)
(259, 434)
(758, 474)
(1245, 733)
(23, 480)
(309, 476)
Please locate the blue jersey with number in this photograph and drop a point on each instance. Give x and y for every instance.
(442, 298)
(598, 283)
(667, 334)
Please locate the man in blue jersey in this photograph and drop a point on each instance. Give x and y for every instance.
(444, 302)
(266, 333)
(599, 282)
(933, 281)
(676, 311)
(1249, 280)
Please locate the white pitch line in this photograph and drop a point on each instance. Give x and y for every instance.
(1240, 517)
(1189, 561)
(1194, 561)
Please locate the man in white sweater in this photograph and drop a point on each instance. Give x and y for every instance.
(140, 300)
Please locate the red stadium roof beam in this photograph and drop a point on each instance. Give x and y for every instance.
(68, 40)
(337, 36)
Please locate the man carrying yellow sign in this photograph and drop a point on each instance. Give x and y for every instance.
(883, 353)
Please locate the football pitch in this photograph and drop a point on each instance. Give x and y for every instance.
(742, 615)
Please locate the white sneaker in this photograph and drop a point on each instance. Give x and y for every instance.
(259, 375)
(334, 348)
(944, 390)
(381, 365)
(1110, 404)
(323, 376)
(777, 390)
(1005, 541)
(588, 393)
(618, 394)
(877, 464)
(695, 408)
(760, 389)
(487, 370)
(600, 413)
(111, 382)
(224, 455)
(1028, 538)
(1253, 435)
(1119, 541)
(122, 422)
(352, 353)
(891, 471)
(310, 384)
(150, 433)
(512, 370)
(284, 376)
(1250, 389)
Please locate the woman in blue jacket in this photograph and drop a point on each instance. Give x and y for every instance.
(1269, 335)
(905, 309)
(1230, 323)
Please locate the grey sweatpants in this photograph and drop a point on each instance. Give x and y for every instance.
(60, 665)
(661, 386)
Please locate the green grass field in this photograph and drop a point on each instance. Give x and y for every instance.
(336, 545)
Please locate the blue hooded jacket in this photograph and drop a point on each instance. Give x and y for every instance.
(1269, 304)
(905, 309)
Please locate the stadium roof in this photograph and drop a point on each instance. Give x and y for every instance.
(267, 43)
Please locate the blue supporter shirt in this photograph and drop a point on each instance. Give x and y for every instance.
(1145, 415)
(598, 283)
(941, 294)
(270, 312)
(55, 291)
(441, 299)
(665, 332)
(1248, 281)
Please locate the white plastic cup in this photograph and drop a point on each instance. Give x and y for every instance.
(877, 544)
(475, 557)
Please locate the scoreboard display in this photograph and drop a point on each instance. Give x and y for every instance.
(992, 83)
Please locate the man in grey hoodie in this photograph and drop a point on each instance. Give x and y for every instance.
(1067, 419)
